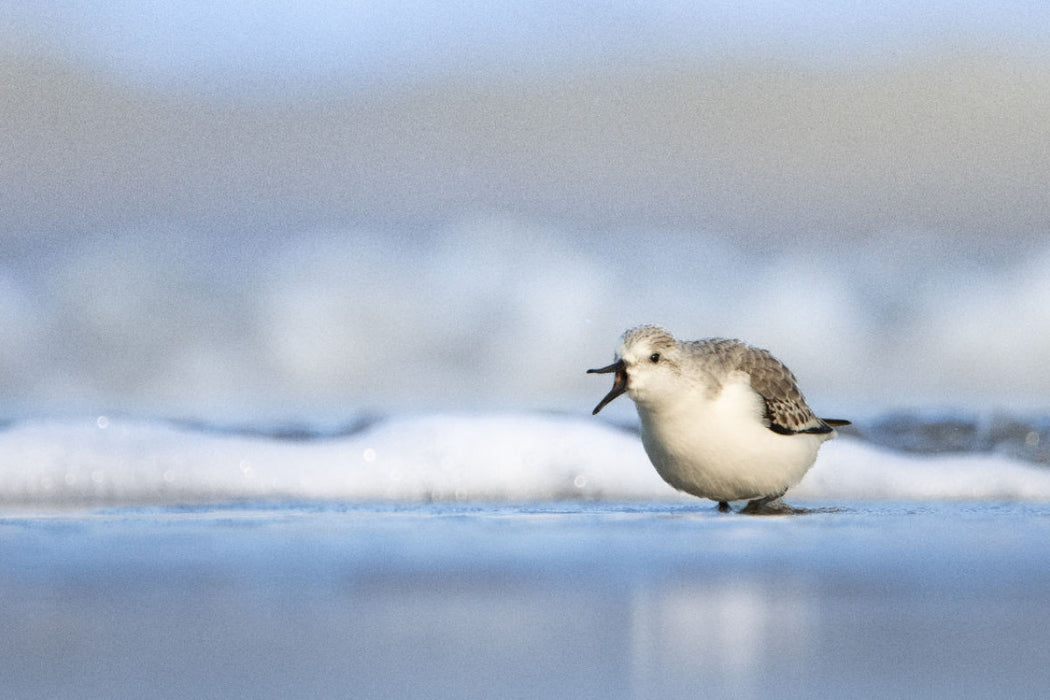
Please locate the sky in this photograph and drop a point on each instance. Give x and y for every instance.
(267, 46)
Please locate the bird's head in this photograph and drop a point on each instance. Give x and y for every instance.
(647, 363)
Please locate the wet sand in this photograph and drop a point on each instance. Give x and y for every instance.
(558, 599)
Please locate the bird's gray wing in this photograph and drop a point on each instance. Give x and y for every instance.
(787, 412)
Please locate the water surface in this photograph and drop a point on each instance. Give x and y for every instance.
(544, 599)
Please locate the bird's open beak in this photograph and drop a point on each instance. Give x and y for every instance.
(619, 386)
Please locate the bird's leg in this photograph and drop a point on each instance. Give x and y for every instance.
(723, 507)
(769, 505)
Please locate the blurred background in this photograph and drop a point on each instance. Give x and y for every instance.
(261, 209)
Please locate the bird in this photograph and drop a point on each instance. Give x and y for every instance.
(720, 419)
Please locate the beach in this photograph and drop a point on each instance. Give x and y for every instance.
(544, 599)
(506, 555)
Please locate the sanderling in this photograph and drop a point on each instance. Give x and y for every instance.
(720, 419)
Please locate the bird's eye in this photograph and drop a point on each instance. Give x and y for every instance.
(655, 357)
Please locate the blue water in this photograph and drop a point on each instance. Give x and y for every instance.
(508, 555)
(543, 599)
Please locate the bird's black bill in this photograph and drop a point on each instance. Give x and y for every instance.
(619, 385)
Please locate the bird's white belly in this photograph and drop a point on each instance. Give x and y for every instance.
(720, 449)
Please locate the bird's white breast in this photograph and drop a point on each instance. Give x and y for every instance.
(715, 444)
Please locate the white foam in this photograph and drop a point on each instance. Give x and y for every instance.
(850, 469)
(441, 457)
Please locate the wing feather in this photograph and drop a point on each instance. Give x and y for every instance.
(786, 409)
(787, 412)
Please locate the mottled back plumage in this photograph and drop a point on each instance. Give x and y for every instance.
(786, 407)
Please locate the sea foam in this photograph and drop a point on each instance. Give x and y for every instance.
(447, 457)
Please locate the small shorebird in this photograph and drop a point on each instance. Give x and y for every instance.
(720, 419)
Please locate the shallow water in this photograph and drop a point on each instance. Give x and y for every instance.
(550, 599)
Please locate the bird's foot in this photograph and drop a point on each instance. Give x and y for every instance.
(723, 507)
(770, 505)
